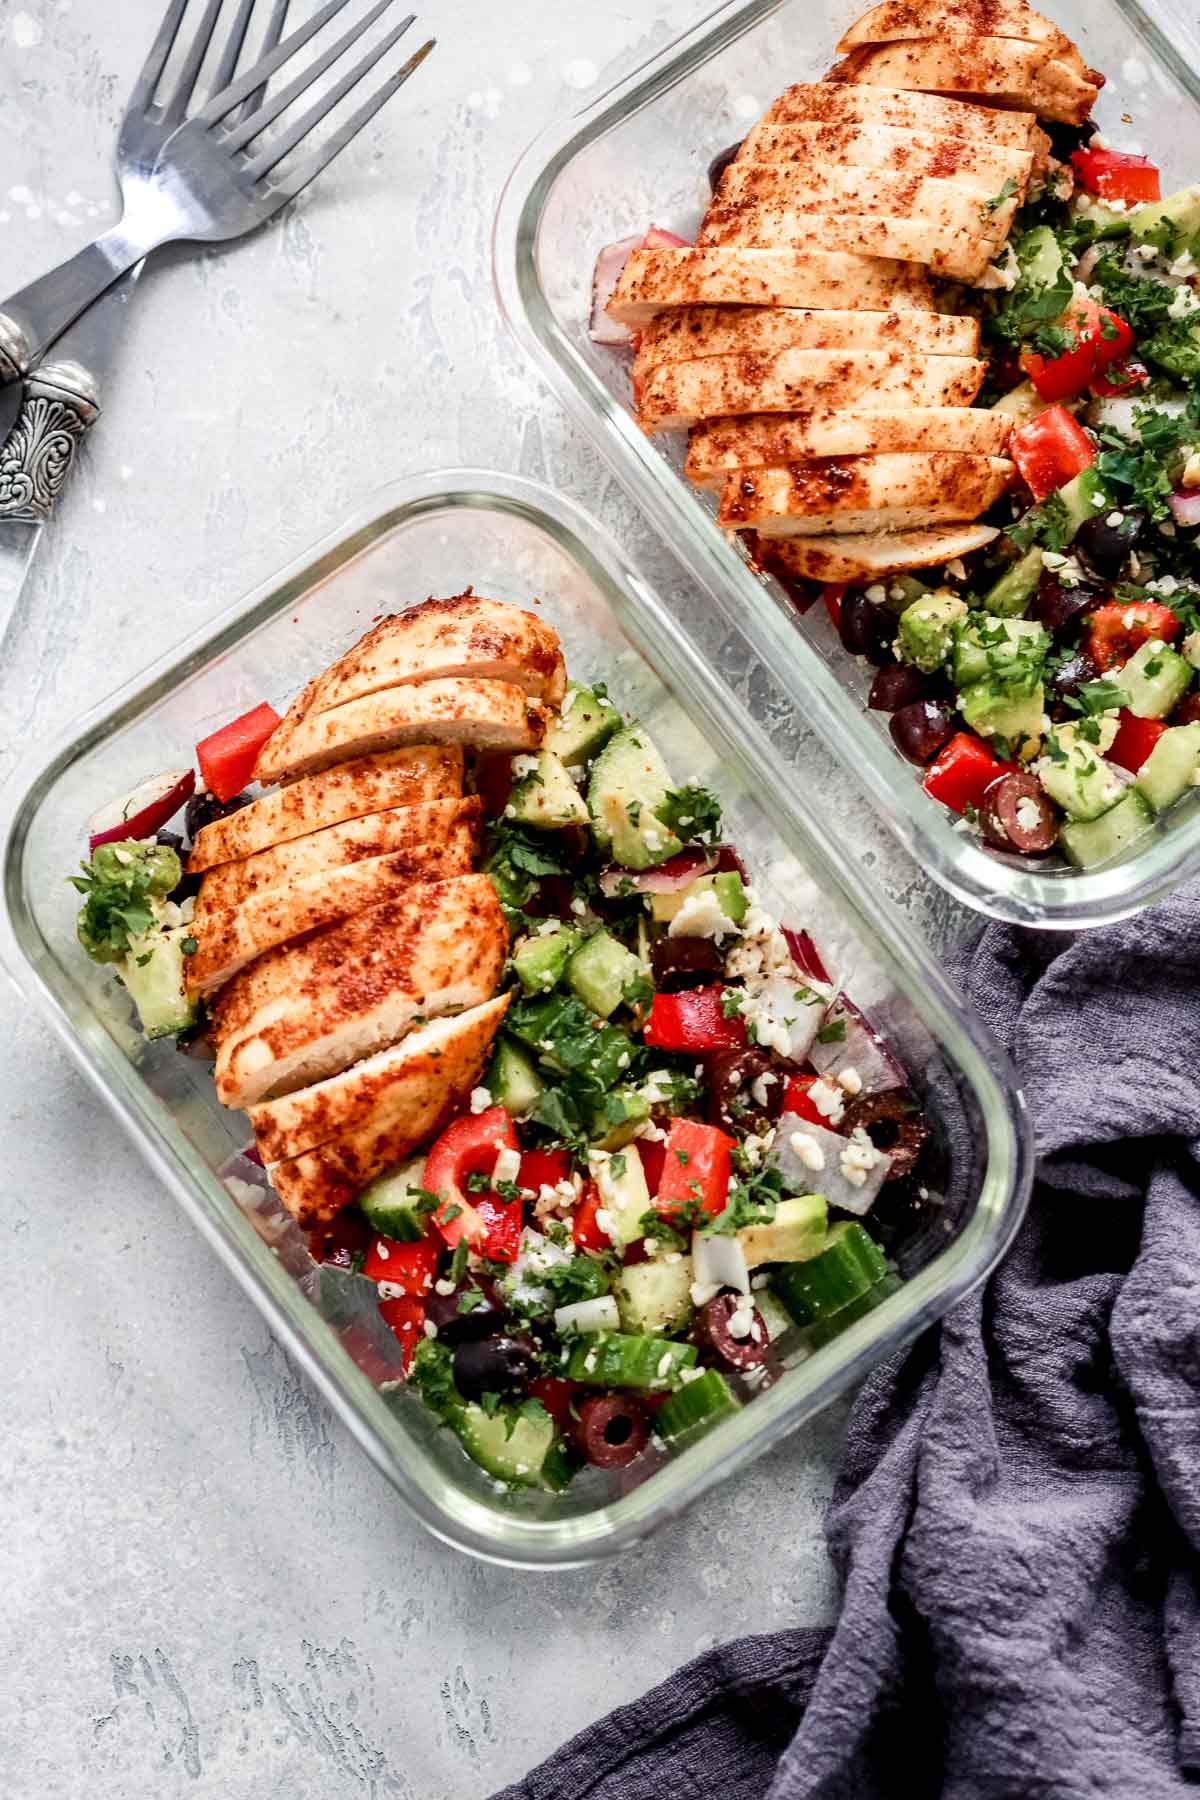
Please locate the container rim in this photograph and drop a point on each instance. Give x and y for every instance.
(453, 1516)
(1067, 901)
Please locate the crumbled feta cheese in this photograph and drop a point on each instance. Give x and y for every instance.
(1053, 559)
(443, 1287)
(508, 1164)
(1147, 252)
(393, 1290)
(651, 1246)
(1183, 304)
(808, 1150)
(702, 915)
(755, 1148)
(957, 568)
(578, 906)
(1191, 648)
(761, 1087)
(605, 1222)
(1115, 518)
(1165, 585)
(858, 1158)
(382, 1251)
(741, 1320)
(481, 1099)
(850, 1081)
(663, 1368)
(1029, 813)
(524, 765)
(656, 1089)
(827, 1100)
(876, 593)
(429, 1328)
(1185, 265)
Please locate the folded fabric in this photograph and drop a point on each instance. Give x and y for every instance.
(1017, 1520)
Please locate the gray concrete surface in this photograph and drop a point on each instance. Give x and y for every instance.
(206, 1590)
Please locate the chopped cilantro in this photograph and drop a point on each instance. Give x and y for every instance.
(1007, 189)
(832, 1033)
(691, 813)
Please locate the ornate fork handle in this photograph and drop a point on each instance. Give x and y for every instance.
(60, 402)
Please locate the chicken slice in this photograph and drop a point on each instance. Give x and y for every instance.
(894, 492)
(654, 279)
(489, 715)
(366, 784)
(308, 1010)
(407, 1088)
(961, 254)
(908, 19)
(804, 381)
(980, 166)
(1026, 77)
(871, 558)
(950, 206)
(436, 833)
(831, 102)
(722, 445)
(689, 332)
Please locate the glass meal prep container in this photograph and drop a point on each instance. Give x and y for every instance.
(638, 155)
(511, 540)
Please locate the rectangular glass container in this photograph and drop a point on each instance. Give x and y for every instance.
(637, 155)
(513, 540)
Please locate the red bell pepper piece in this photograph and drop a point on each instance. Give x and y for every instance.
(1120, 378)
(695, 1168)
(468, 1147)
(652, 1152)
(543, 1168)
(410, 1266)
(1116, 629)
(833, 593)
(555, 1395)
(796, 1100)
(1050, 450)
(1134, 741)
(1116, 174)
(693, 1022)
(584, 1227)
(405, 1314)
(1099, 338)
(340, 1242)
(227, 757)
(962, 771)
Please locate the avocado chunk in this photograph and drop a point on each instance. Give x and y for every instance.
(927, 629)
(544, 794)
(1167, 222)
(1084, 496)
(795, 1233)
(615, 1121)
(512, 1078)
(1154, 679)
(582, 727)
(1075, 775)
(541, 961)
(655, 1296)
(153, 972)
(629, 782)
(624, 1195)
(1171, 767)
(600, 971)
(1009, 597)
(1088, 842)
(999, 650)
(726, 888)
(995, 710)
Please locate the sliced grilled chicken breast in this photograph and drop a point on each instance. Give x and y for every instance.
(722, 445)
(863, 493)
(983, 167)
(1026, 77)
(899, 194)
(894, 19)
(961, 254)
(489, 715)
(689, 332)
(407, 1087)
(441, 832)
(308, 1010)
(910, 111)
(872, 558)
(801, 381)
(654, 279)
(366, 784)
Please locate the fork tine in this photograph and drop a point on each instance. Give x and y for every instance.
(175, 110)
(156, 62)
(333, 146)
(237, 91)
(250, 128)
(278, 148)
(271, 37)
(233, 47)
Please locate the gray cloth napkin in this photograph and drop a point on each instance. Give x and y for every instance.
(1017, 1521)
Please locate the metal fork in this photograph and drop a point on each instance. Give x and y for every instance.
(202, 179)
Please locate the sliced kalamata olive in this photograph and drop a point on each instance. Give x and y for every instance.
(492, 1365)
(1070, 676)
(897, 685)
(479, 1318)
(919, 731)
(1016, 815)
(204, 809)
(611, 1430)
(1055, 605)
(684, 962)
(196, 1043)
(1065, 138)
(734, 1330)
(892, 1120)
(1188, 710)
(1106, 546)
(745, 1091)
(721, 162)
(171, 840)
(343, 1241)
(866, 629)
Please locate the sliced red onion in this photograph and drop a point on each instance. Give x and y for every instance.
(829, 1179)
(677, 872)
(860, 1050)
(140, 813)
(659, 238)
(1185, 506)
(605, 276)
(805, 955)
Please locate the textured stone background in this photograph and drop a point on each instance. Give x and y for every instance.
(206, 1590)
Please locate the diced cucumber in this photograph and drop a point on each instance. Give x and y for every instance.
(600, 971)
(153, 972)
(993, 711)
(726, 886)
(1171, 767)
(582, 727)
(1089, 842)
(625, 1360)
(926, 631)
(1104, 220)
(509, 1444)
(655, 1296)
(821, 1330)
(629, 782)
(1082, 783)
(1040, 256)
(1009, 597)
(624, 1195)
(1021, 403)
(512, 1079)
(1084, 496)
(389, 1203)
(795, 1233)
(850, 1264)
(545, 795)
(773, 1313)
(541, 961)
(995, 647)
(1154, 679)
(695, 1406)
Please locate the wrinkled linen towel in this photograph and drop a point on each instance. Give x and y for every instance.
(1017, 1521)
